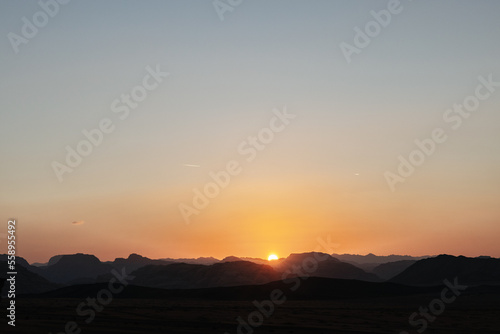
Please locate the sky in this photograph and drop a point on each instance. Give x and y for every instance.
(303, 112)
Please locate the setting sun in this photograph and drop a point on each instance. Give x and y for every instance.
(272, 257)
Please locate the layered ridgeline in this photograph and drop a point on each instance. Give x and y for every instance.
(67, 270)
(70, 270)
(370, 261)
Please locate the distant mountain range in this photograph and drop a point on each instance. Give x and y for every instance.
(372, 258)
(232, 271)
(323, 265)
(68, 270)
(189, 276)
(135, 261)
(370, 261)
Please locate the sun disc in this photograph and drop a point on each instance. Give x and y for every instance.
(272, 257)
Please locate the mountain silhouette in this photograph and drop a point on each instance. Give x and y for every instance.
(83, 269)
(372, 258)
(322, 265)
(135, 261)
(470, 271)
(76, 268)
(370, 261)
(231, 271)
(188, 276)
(257, 260)
(53, 260)
(231, 259)
(19, 260)
(26, 281)
(249, 259)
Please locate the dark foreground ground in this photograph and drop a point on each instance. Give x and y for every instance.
(478, 313)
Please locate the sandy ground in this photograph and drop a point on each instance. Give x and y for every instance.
(468, 314)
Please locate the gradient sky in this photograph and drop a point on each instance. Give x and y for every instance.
(321, 176)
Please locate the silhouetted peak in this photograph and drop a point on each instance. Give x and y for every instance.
(314, 255)
(136, 257)
(78, 259)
